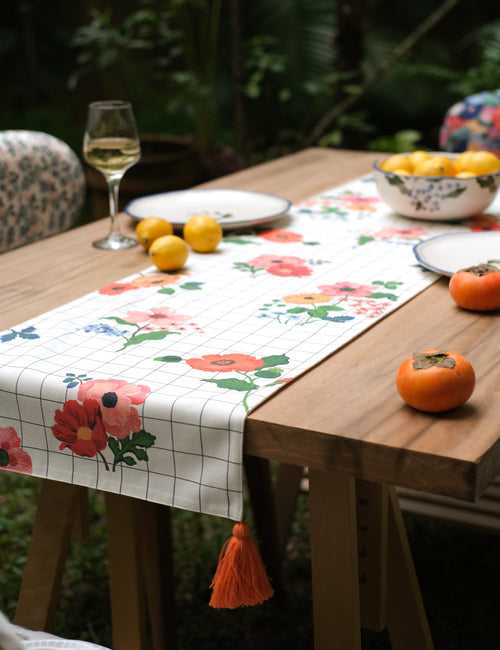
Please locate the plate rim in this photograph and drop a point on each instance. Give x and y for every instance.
(286, 208)
(435, 269)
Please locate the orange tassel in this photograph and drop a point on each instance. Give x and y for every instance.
(240, 578)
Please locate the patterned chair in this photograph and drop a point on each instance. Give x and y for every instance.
(473, 123)
(42, 187)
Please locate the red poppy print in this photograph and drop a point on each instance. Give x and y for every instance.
(281, 236)
(265, 261)
(226, 363)
(483, 222)
(12, 457)
(289, 270)
(116, 288)
(80, 427)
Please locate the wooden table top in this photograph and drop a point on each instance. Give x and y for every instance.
(345, 413)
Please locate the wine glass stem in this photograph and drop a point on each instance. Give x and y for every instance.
(113, 187)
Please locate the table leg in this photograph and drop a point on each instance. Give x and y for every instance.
(47, 554)
(406, 619)
(260, 488)
(334, 561)
(128, 608)
(81, 517)
(157, 562)
(287, 491)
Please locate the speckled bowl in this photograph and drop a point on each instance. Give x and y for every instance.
(436, 198)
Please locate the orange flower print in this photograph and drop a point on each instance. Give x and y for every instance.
(116, 288)
(306, 298)
(281, 236)
(155, 280)
(289, 270)
(226, 363)
(12, 457)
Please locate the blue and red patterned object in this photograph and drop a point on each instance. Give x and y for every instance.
(473, 124)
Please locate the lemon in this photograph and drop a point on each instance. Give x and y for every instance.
(462, 161)
(418, 156)
(169, 253)
(435, 166)
(465, 175)
(399, 161)
(482, 162)
(150, 229)
(401, 172)
(203, 233)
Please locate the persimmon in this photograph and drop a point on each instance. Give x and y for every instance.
(434, 381)
(477, 288)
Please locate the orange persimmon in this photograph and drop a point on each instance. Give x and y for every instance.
(434, 381)
(477, 288)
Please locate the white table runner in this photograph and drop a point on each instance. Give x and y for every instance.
(142, 387)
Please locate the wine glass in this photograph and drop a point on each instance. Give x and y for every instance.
(111, 145)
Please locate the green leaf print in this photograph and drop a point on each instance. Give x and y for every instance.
(167, 291)
(365, 239)
(120, 321)
(233, 384)
(377, 295)
(147, 336)
(296, 310)
(191, 286)
(275, 360)
(269, 373)
(168, 359)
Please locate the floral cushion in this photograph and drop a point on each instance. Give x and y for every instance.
(41, 187)
(473, 123)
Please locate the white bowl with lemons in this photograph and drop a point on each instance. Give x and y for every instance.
(438, 186)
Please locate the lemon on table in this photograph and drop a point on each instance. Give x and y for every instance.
(435, 166)
(399, 161)
(203, 233)
(416, 157)
(465, 175)
(401, 172)
(461, 162)
(150, 229)
(169, 253)
(482, 162)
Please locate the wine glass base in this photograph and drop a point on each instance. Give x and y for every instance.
(115, 242)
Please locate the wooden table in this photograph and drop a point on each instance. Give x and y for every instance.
(342, 419)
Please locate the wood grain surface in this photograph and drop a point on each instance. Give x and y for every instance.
(344, 414)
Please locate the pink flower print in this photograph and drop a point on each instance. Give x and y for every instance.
(400, 233)
(359, 202)
(347, 289)
(12, 457)
(265, 261)
(289, 270)
(115, 397)
(157, 318)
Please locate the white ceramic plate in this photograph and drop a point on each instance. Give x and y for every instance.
(232, 208)
(60, 644)
(451, 252)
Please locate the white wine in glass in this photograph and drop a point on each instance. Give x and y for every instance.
(111, 145)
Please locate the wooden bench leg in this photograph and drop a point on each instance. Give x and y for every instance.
(406, 619)
(157, 562)
(81, 517)
(260, 488)
(334, 554)
(47, 554)
(128, 608)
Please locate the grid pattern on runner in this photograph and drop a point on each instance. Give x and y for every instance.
(195, 462)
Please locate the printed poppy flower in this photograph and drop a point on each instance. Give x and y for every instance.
(157, 318)
(307, 298)
(12, 457)
(484, 222)
(358, 201)
(265, 261)
(347, 289)
(289, 270)
(116, 288)
(226, 363)
(400, 233)
(115, 398)
(155, 280)
(80, 428)
(281, 236)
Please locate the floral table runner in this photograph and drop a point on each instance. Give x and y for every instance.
(142, 387)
